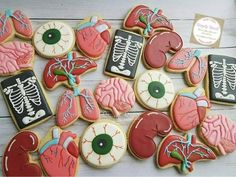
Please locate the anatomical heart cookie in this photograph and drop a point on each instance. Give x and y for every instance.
(189, 108)
(182, 152)
(15, 56)
(125, 54)
(14, 22)
(93, 36)
(25, 99)
(147, 21)
(221, 81)
(59, 153)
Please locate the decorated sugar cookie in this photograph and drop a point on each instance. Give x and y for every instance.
(144, 129)
(66, 70)
(15, 56)
(147, 21)
(189, 108)
(116, 95)
(14, 23)
(93, 36)
(73, 105)
(124, 55)
(158, 45)
(59, 153)
(221, 79)
(189, 61)
(103, 144)
(54, 39)
(16, 158)
(182, 152)
(154, 90)
(219, 132)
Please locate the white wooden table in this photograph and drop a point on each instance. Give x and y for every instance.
(181, 14)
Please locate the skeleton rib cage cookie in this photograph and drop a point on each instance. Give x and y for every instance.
(25, 100)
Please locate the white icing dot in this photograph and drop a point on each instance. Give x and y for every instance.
(50, 35)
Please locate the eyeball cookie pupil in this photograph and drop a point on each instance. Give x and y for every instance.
(51, 36)
(102, 144)
(156, 89)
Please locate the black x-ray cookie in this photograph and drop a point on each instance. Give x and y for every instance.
(125, 54)
(25, 99)
(221, 81)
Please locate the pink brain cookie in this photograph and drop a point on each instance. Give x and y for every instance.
(116, 95)
(15, 56)
(220, 133)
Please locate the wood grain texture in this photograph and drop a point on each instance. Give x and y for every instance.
(181, 14)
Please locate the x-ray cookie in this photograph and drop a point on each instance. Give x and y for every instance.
(25, 100)
(54, 39)
(103, 144)
(125, 54)
(154, 90)
(221, 81)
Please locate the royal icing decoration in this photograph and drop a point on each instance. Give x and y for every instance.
(116, 95)
(73, 105)
(147, 21)
(144, 129)
(54, 39)
(61, 70)
(158, 45)
(93, 36)
(125, 54)
(14, 23)
(103, 144)
(16, 159)
(222, 79)
(15, 56)
(25, 99)
(189, 108)
(219, 132)
(189, 60)
(154, 90)
(59, 153)
(182, 152)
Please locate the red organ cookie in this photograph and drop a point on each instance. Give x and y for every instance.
(16, 160)
(93, 36)
(147, 21)
(142, 131)
(189, 108)
(182, 152)
(12, 23)
(158, 45)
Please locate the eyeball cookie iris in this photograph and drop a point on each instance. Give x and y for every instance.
(103, 144)
(154, 90)
(54, 39)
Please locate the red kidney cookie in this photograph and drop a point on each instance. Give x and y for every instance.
(59, 153)
(16, 160)
(158, 45)
(189, 108)
(182, 152)
(93, 36)
(147, 21)
(142, 131)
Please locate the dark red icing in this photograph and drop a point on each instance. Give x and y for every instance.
(142, 131)
(16, 160)
(158, 45)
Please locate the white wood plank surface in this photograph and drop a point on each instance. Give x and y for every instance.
(181, 14)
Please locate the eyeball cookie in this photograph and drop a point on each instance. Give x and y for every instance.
(54, 39)
(154, 90)
(103, 144)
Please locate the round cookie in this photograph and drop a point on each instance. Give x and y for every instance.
(54, 39)
(154, 90)
(144, 129)
(103, 144)
(116, 95)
